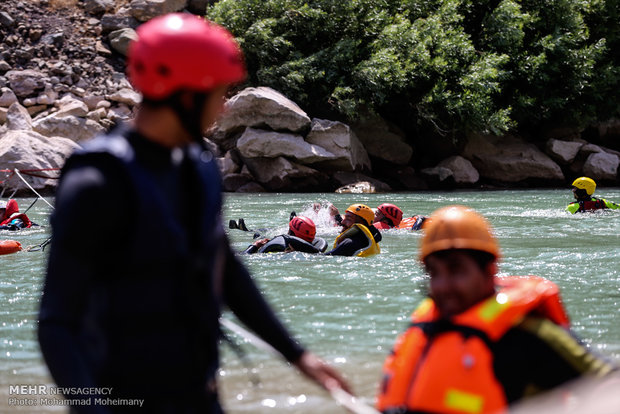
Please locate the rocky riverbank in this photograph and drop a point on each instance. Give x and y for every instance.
(62, 82)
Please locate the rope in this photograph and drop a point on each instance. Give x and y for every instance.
(31, 172)
(339, 395)
(31, 204)
(33, 190)
(39, 247)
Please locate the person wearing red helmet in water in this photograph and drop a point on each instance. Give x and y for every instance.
(301, 237)
(136, 309)
(389, 216)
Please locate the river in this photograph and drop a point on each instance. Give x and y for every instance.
(350, 310)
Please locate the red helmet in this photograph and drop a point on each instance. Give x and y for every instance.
(182, 51)
(391, 212)
(303, 228)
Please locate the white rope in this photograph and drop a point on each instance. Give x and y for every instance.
(33, 190)
(339, 395)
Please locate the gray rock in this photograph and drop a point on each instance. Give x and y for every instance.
(25, 82)
(18, 118)
(97, 7)
(120, 39)
(112, 22)
(6, 20)
(227, 165)
(338, 139)
(7, 98)
(260, 143)
(563, 151)
(276, 173)
(439, 173)
(346, 179)
(29, 150)
(4, 66)
(382, 141)
(233, 182)
(72, 127)
(462, 170)
(510, 159)
(602, 166)
(126, 96)
(145, 10)
(263, 107)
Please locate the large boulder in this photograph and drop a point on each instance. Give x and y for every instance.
(510, 159)
(25, 82)
(29, 150)
(563, 152)
(382, 141)
(462, 170)
(277, 173)
(270, 144)
(340, 140)
(602, 166)
(263, 107)
(73, 127)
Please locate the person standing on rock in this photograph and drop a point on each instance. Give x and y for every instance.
(134, 308)
(583, 190)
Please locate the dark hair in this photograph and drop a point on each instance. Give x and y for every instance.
(581, 193)
(481, 258)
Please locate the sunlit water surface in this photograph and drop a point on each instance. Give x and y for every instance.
(349, 310)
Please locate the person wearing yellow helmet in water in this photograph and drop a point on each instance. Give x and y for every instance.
(583, 190)
(479, 342)
(359, 237)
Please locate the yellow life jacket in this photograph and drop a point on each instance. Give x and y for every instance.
(446, 366)
(370, 249)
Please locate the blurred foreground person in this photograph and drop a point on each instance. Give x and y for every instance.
(479, 342)
(140, 266)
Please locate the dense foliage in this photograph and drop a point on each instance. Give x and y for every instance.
(450, 66)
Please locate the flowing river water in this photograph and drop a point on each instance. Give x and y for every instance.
(349, 310)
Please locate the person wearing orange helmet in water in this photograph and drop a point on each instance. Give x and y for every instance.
(301, 237)
(136, 309)
(583, 191)
(479, 342)
(358, 237)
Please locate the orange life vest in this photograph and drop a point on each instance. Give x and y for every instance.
(446, 366)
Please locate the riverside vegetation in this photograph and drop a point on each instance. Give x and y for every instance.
(437, 94)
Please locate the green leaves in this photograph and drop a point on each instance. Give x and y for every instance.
(453, 65)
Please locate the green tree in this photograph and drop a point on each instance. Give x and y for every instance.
(451, 65)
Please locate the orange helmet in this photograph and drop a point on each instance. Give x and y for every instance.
(363, 211)
(391, 212)
(303, 228)
(457, 227)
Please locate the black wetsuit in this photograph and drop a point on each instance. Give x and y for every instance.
(351, 245)
(139, 268)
